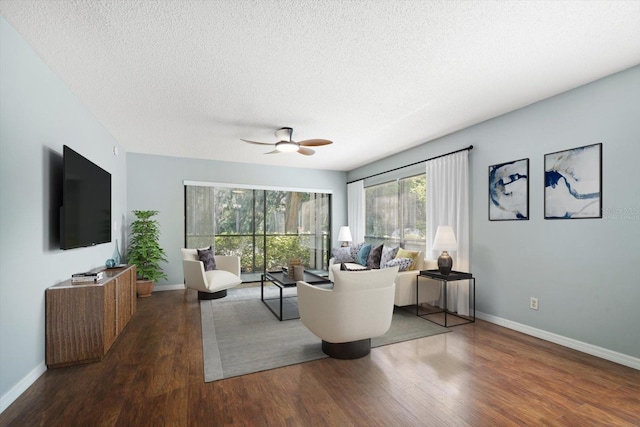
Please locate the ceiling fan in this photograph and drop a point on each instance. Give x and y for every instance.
(287, 145)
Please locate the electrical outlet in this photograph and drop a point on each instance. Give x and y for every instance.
(533, 304)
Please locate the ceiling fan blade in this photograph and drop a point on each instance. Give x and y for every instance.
(273, 152)
(305, 151)
(256, 142)
(315, 142)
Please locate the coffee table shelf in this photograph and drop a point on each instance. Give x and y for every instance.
(282, 281)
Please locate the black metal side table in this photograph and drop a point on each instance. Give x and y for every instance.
(452, 277)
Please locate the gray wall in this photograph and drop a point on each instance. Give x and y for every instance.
(582, 271)
(157, 183)
(38, 115)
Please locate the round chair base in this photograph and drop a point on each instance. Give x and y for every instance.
(347, 350)
(212, 295)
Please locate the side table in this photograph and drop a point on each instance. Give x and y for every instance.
(452, 277)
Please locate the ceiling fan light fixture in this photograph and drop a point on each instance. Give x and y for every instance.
(286, 147)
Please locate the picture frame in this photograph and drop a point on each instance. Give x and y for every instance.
(509, 191)
(573, 183)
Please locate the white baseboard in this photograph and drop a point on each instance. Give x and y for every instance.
(603, 353)
(7, 399)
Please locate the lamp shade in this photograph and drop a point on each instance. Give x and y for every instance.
(345, 234)
(445, 239)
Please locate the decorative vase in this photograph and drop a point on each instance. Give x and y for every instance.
(116, 254)
(292, 263)
(298, 272)
(144, 288)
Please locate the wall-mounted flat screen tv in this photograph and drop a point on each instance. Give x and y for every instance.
(85, 216)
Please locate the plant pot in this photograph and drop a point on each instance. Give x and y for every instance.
(144, 288)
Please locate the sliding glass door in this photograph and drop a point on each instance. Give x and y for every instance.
(266, 228)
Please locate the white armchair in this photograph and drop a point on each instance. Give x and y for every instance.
(345, 318)
(211, 284)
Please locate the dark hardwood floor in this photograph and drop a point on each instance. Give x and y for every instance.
(478, 375)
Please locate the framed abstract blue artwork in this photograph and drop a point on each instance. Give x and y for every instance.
(509, 191)
(573, 183)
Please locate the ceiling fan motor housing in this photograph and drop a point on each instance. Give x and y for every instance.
(284, 134)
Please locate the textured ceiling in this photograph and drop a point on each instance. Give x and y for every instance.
(190, 78)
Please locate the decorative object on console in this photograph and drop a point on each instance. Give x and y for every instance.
(110, 263)
(116, 254)
(344, 235)
(145, 251)
(573, 183)
(445, 241)
(509, 191)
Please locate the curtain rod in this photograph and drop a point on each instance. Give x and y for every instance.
(469, 148)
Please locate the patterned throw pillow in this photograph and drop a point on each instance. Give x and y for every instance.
(373, 261)
(363, 255)
(342, 254)
(412, 255)
(388, 253)
(206, 256)
(355, 249)
(402, 263)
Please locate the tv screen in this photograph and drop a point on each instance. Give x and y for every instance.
(85, 217)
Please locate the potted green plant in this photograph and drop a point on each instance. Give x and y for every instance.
(145, 252)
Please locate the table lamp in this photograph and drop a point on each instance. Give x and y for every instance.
(444, 241)
(344, 235)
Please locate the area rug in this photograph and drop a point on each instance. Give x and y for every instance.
(240, 335)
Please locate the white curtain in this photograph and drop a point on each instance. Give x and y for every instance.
(355, 210)
(448, 204)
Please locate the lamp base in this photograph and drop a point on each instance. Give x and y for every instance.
(445, 263)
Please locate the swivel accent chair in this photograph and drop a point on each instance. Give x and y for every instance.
(212, 284)
(345, 318)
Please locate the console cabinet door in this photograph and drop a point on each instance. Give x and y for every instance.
(110, 315)
(123, 301)
(74, 325)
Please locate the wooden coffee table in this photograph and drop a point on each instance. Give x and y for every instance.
(288, 310)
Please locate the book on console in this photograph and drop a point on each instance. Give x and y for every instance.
(92, 274)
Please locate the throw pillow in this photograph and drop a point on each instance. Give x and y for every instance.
(355, 249)
(342, 254)
(402, 263)
(206, 256)
(388, 253)
(373, 261)
(343, 267)
(363, 254)
(412, 255)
